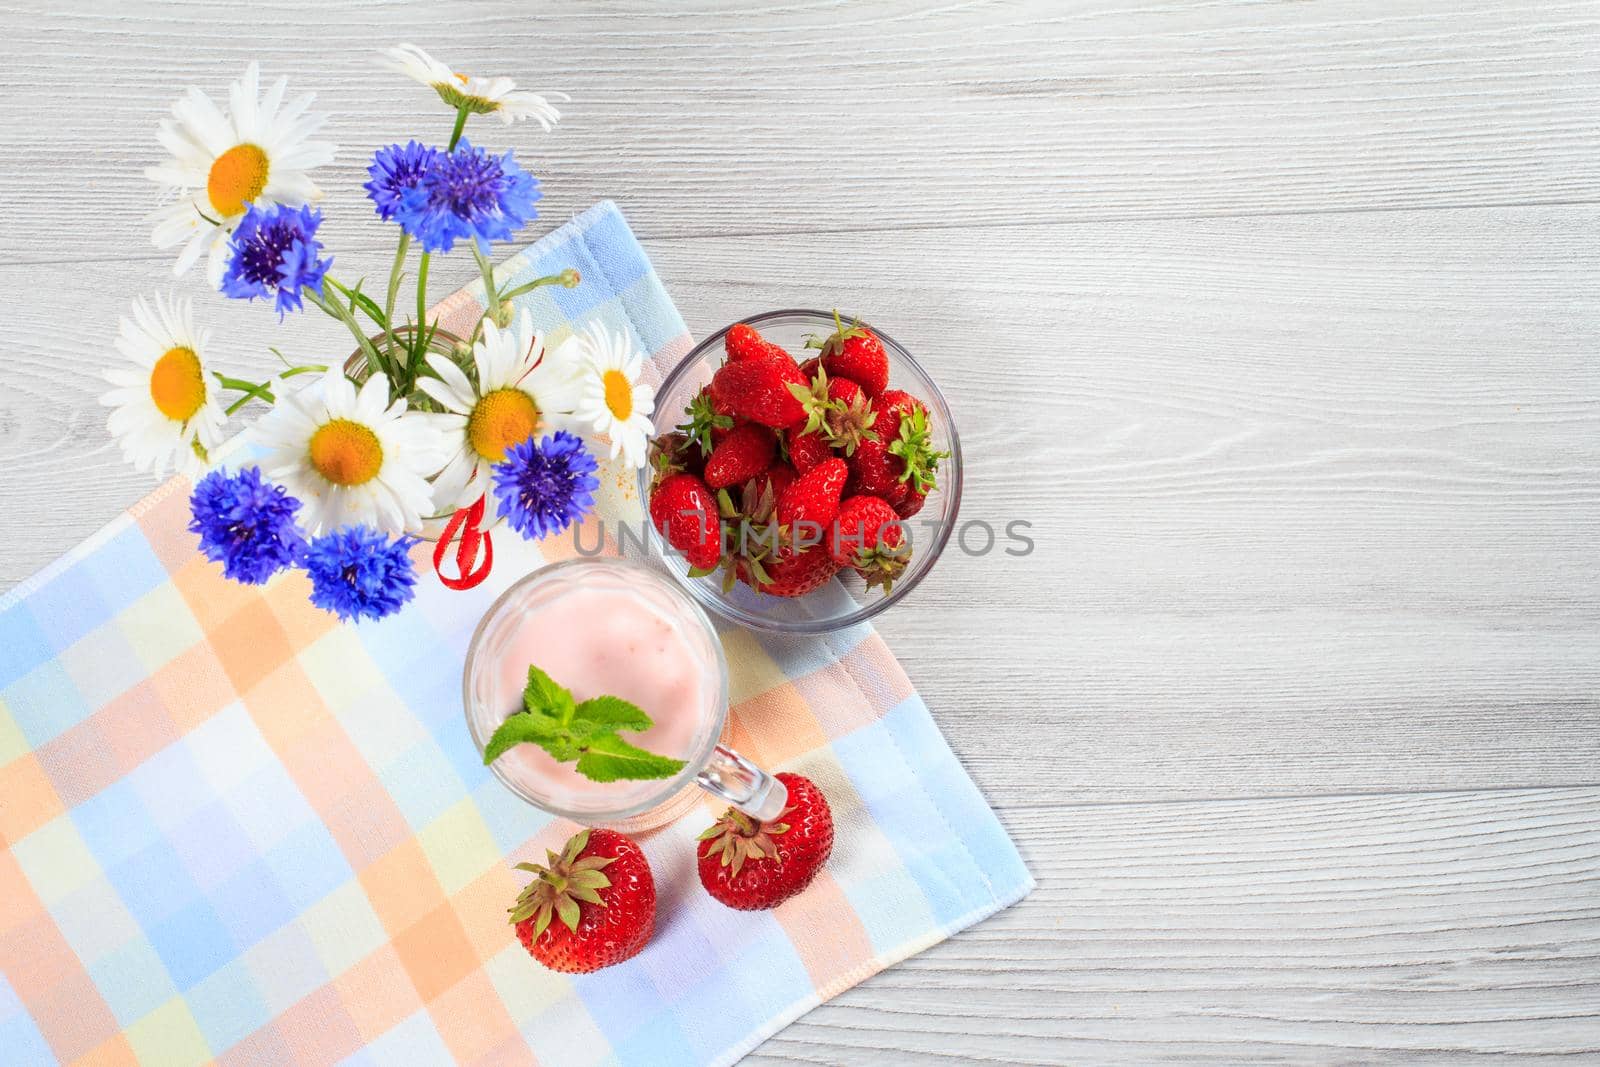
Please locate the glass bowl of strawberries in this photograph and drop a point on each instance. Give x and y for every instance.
(805, 473)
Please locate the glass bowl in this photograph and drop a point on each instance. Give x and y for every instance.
(491, 692)
(846, 600)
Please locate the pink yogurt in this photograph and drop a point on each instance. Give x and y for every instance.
(605, 641)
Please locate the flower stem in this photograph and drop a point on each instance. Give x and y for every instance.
(260, 390)
(567, 278)
(394, 286)
(342, 313)
(461, 124)
(486, 269)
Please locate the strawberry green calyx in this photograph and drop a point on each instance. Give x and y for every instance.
(667, 456)
(703, 418)
(814, 398)
(558, 887)
(851, 423)
(842, 424)
(914, 445)
(754, 537)
(841, 333)
(736, 838)
(882, 564)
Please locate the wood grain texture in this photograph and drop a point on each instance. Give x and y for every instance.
(1277, 320)
(726, 117)
(1334, 930)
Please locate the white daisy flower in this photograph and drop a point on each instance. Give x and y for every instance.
(352, 457)
(165, 412)
(522, 391)
(257, 152)
(614, 402)
(480, 96)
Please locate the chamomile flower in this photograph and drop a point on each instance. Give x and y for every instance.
(521, 391)
(480, 96)
(259, 151)
(164, 411)
(614, 401)
(350, 457)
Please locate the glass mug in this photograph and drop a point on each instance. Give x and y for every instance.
(614, 627)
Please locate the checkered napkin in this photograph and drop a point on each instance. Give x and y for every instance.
(233, 829)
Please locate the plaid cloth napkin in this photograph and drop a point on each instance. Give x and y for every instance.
(235, 830)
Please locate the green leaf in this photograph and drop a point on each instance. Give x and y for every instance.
(543, 694)
(562, 746)
(518, 729)
(610, 758)
(358, 299)
(614, 713)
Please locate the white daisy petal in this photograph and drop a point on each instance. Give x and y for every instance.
(258, 151)
(163, 406)
(371, 468)
(486, 95)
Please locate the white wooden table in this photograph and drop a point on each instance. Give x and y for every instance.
(1279, 321)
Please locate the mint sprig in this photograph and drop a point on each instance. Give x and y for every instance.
(585, 732)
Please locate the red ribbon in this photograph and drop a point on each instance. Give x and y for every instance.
(464, 522)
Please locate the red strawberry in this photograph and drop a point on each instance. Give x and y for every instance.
(752, 865)
(911, 504)
(912, 442)
(845, 391)
(810, 367)
(743, 454)
(791, 575)
(813, 498)
(806, 450)
(867, 535)
(685, 512)
(673, 453)
(876, 471)
(838, 410)
(760, 390)
(891, 405)
(780, 476)
(854, 352)
(742, 342)
(592, 906)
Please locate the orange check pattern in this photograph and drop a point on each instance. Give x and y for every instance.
(232, 830)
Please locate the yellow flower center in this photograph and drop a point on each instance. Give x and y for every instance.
(619, 394)
(176, 384)
(500, 419)
(346, 452)
(237, 177)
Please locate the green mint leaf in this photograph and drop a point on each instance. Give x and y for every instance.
(609, 758)
(614, 713)
(544, 694)
(518, 729)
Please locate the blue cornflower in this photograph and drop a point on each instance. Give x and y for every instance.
(468, 194)
(394, 170)
(358, 573)
(543, 487)
(274, 250)
(246, 524)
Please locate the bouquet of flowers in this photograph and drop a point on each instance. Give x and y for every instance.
(419, 433)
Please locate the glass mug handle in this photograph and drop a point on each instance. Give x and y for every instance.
(742, 784)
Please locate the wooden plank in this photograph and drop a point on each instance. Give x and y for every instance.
(821, 116)
(1314, 497)
(1427, 928)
